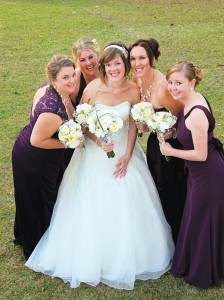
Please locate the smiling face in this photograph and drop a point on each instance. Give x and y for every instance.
(115, 68)
(65, 81)
(88, 62)
(139, 60)
(179, 86)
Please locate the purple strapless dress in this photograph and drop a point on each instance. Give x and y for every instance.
(169, 178)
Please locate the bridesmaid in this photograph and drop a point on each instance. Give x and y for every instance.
(86, 55)
(37, 154)
(199, 255)
(168, 176)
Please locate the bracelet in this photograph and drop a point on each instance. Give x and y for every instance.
(96, 141)
(174, 133)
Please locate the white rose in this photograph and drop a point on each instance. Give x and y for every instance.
(64, 129)
(80, 118)
(163, 126)
(114, 127)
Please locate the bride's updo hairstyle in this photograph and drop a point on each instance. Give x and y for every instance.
(109, 52)
(190, 71)
(151, 47)
(54, 66)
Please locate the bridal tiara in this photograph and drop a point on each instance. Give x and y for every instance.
(121, 48)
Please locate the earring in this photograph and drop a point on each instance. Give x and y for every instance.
(191, 88)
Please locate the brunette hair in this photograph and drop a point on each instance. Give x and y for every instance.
(84, 43)
(190, 71)
(151, 47)
(109, 52)
(56, 63)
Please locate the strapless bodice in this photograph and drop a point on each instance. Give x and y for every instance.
(123, 109)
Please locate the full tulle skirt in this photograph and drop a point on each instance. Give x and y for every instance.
(105, 229)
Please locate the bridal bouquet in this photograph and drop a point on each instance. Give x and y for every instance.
(161, 122)
(70, 134)
(142, 112)
(82, 113)
(103, 123)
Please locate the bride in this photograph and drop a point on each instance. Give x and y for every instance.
(108, 224)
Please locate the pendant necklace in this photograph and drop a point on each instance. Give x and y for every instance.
(66, 100)
(148, 91)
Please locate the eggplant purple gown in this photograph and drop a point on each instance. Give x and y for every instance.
(199, 254)
(37, 174)
(170, 181)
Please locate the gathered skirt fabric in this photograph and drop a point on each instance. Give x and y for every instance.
(106, 229)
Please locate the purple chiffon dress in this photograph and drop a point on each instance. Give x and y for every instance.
(199, 254)
(169, 178)
(37, 174)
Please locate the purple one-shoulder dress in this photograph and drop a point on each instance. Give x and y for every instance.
(37, 174)
(199, 254)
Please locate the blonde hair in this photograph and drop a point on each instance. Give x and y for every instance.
(84, 43)
(190, 71)
(56, 63)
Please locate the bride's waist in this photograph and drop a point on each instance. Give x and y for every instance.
(119, 137)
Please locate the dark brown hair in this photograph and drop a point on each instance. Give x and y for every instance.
(151, 47)
(109, 53)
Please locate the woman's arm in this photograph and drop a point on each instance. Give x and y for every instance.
(198, 125)
(88, 94)
(46, 125)
(122, 164)
(106, 147)
(132, 134)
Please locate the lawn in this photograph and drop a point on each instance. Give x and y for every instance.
(30, 33)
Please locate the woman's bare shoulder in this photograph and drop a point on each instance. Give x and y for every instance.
(91, 90)
(133, 92)
(93, 84)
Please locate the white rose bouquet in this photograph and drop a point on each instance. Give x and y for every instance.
(82, 113)
(142, 112)
(70, 134)
(161, 122)
(103, 123)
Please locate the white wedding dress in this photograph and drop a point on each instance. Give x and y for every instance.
(106, 229)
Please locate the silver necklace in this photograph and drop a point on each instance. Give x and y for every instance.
(66, 101)
(148, 91)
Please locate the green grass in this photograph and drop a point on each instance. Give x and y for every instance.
(30, 33)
